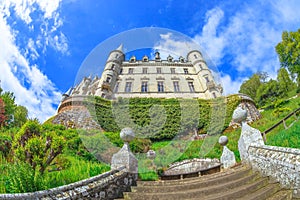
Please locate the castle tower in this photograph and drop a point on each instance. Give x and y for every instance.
(110, 74)
(204, 74)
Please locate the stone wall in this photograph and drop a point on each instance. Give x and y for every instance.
(252, 112)
(279, 163)
(76, 117)
(109, 185)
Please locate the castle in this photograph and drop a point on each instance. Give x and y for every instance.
(187, 77)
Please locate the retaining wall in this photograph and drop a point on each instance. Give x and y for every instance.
(109, 185)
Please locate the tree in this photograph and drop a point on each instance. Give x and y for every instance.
(288, 51)
(36, 146)
(2, 113)
(284, 81)
(268, 92)
(20, 116)
(250, 86)
(14, 115)
(9, 102)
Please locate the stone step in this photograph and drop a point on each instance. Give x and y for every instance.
(239, 192)
(235, 189)
(282, 195)
(225, 176)
(263, 193)
(209, 186)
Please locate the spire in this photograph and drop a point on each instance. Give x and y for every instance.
(120, 48)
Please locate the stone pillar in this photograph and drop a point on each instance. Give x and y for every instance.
(152, 155)
(249, 136)
(125, 157)
(227, 158)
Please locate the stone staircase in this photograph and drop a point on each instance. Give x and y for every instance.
(236, 183)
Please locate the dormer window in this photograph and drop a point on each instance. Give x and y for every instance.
(181, 59)
(170, 58)
(157, 56)
(132, 59)
(145, 59)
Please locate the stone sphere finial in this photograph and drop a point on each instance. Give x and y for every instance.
(223, 140)
(151, 154)
(239, 115)
(127, 134)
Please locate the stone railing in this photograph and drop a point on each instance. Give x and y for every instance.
(279, 163)
(109, 185)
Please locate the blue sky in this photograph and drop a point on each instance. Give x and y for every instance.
(44, 42)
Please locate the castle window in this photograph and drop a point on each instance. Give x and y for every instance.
(121, 70)
(186, 70)
(103, 95)
(158, 70)
(191, 86)
(214, 95)
(200, 66)
(130, 71)
(117, 55)
(144, 70)
(176, 86)
(108, 79)
(172, 70)
(113, 67)
(128, 86)
(160, 86)
(195, 56)
(117, 87)
(206, 78)
(144, 87)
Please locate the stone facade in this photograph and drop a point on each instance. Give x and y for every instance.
(282, 164)
(187, 77)
(108, 186)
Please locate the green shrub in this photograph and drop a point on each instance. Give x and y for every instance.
(161, 119)
(22, 178)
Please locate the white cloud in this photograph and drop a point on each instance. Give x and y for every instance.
(248, 37)
(230, 86)
(30, 86)
(60, 43)
(171, 45)
(211, 43)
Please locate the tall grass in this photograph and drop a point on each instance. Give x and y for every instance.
(286, 138)
(19, 177)
(78, 170)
